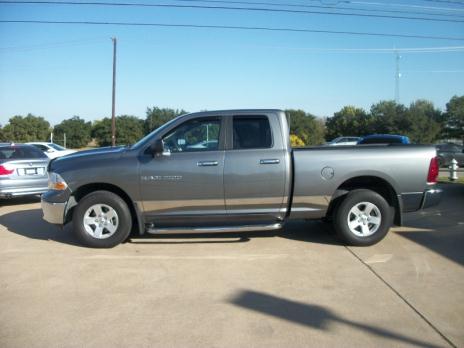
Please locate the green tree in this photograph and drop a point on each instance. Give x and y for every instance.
(77, 132)
(424, 122)
(349, 121)
(28, 128)
(307, 127)
(454, 124)
(388, 117)
(129, 129)
(2, 135)
(156, 117)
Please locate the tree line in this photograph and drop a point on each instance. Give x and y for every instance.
(421, 121)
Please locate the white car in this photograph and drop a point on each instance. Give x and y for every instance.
(52, 150)
(340, 141)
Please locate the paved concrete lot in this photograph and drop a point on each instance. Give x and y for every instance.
(299, 288)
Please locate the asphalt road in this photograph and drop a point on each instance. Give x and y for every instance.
(299, 288)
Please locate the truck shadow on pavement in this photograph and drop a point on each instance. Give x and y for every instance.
(309, 315)
(29, 223)
(440, 229)
(19, 200)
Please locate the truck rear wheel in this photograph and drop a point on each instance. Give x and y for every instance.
(102, 220)
(363, 218)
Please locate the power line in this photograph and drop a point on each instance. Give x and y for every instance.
(285, 4)
(253, 9)
(432, 8)
(281, 4)
(434, 49)
(456, 2)
(232, 27)
(444, 49)
(53, 44)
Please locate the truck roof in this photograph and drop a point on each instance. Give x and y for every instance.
(232, 112)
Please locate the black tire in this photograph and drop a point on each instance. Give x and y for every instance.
(122, 220)
(358, 198)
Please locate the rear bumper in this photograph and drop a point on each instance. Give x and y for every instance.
(9, 192)
(431, 198)
(53, 212)
(415, 201)
(23, 186)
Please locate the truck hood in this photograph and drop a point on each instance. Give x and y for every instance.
(87, 156)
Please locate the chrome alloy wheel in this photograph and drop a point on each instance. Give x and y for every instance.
(101, 221)
(364, 219)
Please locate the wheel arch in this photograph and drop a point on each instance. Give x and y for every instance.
(370, 182)
(84, 190)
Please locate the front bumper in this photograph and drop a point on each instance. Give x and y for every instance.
(53, 212)
(432, 197)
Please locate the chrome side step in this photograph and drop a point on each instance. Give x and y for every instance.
(218, 229)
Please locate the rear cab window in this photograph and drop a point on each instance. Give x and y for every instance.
(251, 132)
(21, 152)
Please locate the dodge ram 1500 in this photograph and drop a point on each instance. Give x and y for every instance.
(231, 171)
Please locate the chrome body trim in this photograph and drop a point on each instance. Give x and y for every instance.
(219, 229)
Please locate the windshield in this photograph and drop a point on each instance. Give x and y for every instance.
(57, 147)
(146, 139)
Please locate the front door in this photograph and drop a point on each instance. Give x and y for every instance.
(188, 179)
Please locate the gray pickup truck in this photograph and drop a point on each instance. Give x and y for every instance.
(232, 171)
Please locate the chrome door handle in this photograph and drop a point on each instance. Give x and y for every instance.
(269, 161)
(207, 163)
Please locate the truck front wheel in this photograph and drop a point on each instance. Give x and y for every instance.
(363, 218)
(102, 220)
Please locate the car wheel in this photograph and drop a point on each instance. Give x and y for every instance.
(102, 220)
(363, 218)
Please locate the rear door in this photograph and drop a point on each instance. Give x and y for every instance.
(255, 167)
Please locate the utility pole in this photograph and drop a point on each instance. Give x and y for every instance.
(397, 78)
(113, 119)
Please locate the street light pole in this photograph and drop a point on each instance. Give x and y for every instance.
(113, 120)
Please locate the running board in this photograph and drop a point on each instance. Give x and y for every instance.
(219, 229)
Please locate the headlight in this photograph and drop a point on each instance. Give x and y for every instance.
(56, 182)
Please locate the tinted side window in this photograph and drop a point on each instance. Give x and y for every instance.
(194, 135)
(252, 132)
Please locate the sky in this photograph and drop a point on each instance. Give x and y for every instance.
(60, 70)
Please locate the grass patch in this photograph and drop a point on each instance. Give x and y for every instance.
(444, 179)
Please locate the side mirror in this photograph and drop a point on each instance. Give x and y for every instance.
(49, 151)
(157, 148)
